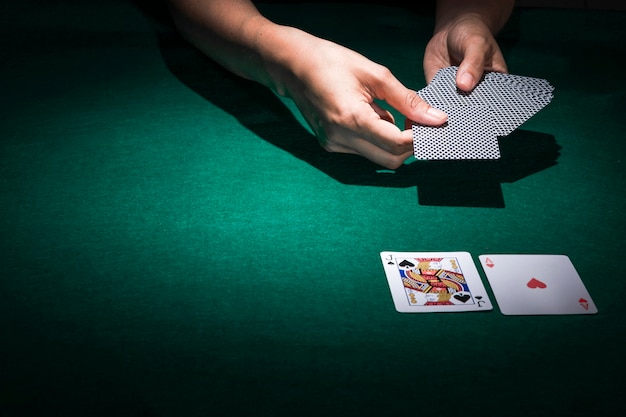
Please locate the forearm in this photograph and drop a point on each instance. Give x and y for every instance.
(493, 13)
(231, 32)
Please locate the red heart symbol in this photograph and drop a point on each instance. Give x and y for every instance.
(535, 283)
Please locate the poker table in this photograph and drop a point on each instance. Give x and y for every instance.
(175, 242)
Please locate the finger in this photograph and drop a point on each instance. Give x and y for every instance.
(408, 123)
(498, 63)
(375, 154)
(471, 68)
(407, 102)
(379, 141)
(429, 72)
(384, 114)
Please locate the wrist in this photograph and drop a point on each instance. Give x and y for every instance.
(492, 14)
(281, 49)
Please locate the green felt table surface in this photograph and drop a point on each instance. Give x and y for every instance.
(174, 242)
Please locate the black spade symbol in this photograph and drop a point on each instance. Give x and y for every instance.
(406, 263)
(462, 297)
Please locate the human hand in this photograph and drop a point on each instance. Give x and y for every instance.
(337, 90)
(469, 43)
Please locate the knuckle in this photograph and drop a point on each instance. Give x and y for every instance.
(330, 142)
(415, 102)
(381, 73)
(397, 148)
(394, 163)
(330, 147)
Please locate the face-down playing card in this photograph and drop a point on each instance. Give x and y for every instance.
(498, 105)
(423, 282)
(469, 133)
(536, 285)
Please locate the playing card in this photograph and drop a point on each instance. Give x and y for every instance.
(468, 134)
(536, 284)
(520, 82)
(498, 105)
(422, 282)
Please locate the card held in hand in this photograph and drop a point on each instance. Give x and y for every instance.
(423, 282)
(498, 105)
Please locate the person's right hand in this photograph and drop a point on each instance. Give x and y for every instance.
(337, 90)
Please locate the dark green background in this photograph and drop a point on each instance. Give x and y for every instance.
(175, 243)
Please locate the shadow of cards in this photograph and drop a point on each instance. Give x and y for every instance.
(477, 183)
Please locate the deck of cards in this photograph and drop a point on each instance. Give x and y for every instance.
(498, 105)
(425, 282)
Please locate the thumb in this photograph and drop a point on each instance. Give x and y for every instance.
(471, 69)
(408, 102)
(413, 107)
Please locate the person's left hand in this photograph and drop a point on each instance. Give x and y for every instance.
(467, 43)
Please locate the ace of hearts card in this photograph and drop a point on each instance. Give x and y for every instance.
(536, 284)
(422, 282)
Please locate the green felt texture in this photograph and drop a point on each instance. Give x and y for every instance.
(174, 242)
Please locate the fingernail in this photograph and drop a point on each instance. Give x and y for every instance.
(466, 80)
(436, 113)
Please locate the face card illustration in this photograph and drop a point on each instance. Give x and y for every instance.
(536, 284)
(422, 282)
